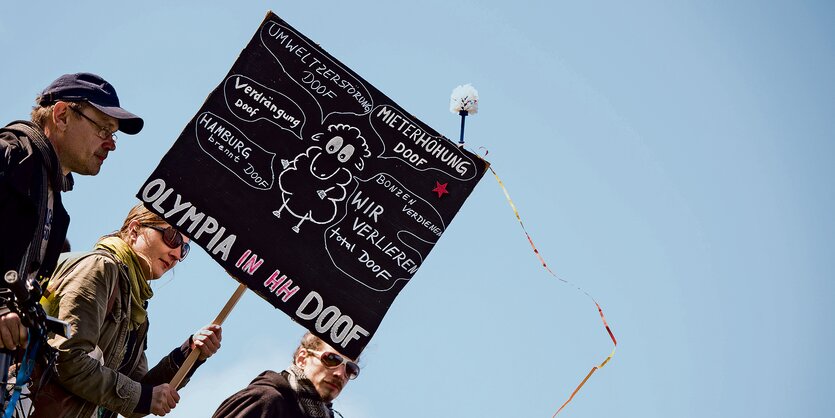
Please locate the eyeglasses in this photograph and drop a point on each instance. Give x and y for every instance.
(172, 238)
(103, 133)
(332, 360)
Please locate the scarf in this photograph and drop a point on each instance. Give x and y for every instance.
(138, 270)
(309, 400)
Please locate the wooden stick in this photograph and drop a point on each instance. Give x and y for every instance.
(192, 358)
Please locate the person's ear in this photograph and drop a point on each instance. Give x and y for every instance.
(60, 114)
(301, 358)
(133, 231)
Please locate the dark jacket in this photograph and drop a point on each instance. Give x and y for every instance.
(23, 178)
(269, 395)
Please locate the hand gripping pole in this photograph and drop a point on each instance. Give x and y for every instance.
(192, 358)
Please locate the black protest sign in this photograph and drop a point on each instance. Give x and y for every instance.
(310, 186)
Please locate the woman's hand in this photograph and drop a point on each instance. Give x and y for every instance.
(207, 340)
(163, 399)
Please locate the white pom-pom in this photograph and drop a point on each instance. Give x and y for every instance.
(464, 98)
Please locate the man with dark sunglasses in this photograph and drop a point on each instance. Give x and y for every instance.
(306, 389)
(72, 130)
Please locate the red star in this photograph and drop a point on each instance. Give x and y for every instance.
(440, 189)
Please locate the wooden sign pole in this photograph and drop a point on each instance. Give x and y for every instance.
(192, 358)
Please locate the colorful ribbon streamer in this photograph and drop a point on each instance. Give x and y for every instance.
(545, 265)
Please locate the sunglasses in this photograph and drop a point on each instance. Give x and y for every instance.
(172, 238)
(331, 360)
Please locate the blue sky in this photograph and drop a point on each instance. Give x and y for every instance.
(673, 159)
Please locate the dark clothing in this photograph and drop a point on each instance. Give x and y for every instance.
(269, 395)
(28, 166)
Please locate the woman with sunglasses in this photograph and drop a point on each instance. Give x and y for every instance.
(101, 369)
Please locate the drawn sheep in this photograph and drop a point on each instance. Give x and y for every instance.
(314, 182)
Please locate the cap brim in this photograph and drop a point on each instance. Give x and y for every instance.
(128, 122)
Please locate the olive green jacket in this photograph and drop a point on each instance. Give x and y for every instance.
(82, 286)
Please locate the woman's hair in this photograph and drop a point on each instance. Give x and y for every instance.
(143, 215)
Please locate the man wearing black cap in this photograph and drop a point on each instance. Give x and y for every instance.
(73, 129)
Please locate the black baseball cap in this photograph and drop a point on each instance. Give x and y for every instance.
(94, 90)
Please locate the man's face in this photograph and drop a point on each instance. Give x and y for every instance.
(83, 150)
(329, 382)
